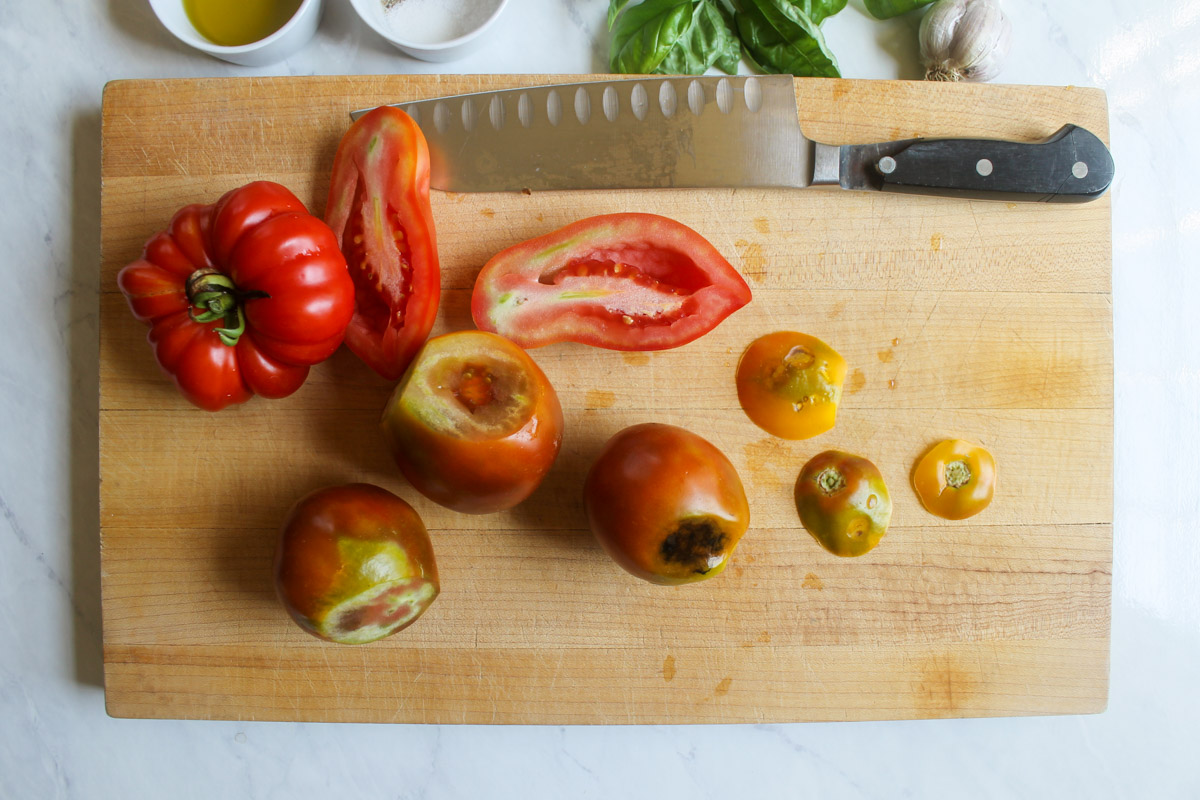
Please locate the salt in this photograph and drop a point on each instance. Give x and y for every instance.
(434, 21)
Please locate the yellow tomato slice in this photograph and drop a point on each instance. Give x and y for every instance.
(790, 383)
(955, 479)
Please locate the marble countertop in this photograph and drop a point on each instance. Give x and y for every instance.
(55, 738)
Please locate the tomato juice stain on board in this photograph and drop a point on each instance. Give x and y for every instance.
(754, 263)
(935, 242)
(722, 688)
(945, 685)
(885, 355)
(769, 462)
(231, 23)
(668, 668)
(635, 359)
(857, 382)
(599, 398)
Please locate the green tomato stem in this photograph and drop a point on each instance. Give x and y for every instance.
(214, 296)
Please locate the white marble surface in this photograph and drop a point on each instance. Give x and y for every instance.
(55, 739)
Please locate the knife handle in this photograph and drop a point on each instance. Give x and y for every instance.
(1072, 166)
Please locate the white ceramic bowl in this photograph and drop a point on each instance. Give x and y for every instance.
(294, 34)
(372, 13)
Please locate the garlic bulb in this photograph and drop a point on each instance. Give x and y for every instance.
(964, 40)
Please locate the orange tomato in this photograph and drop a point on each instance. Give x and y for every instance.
(955, 479)
(789, 384)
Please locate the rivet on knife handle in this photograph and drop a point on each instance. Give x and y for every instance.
(1071, 166)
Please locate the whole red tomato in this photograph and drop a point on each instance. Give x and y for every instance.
(354, 564)
(241, 296)
(666, 504)
(620, 281)
(474, 424)
(379, 208)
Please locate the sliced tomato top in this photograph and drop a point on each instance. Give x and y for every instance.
(379, 208)
(619, 281)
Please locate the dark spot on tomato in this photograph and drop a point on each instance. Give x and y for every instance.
(352, 620)
(694, 543)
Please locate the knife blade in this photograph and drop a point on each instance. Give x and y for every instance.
(744, 131)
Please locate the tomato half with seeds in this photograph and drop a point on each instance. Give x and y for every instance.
(619, 281)
(474, 424)
(379, 209)
(843, 502)
(790, 384)
(354, 564)
(955, 479)
(666, 504)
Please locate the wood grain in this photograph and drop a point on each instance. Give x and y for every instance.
(989, 321)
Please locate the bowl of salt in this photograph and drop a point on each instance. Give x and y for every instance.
(431, 30)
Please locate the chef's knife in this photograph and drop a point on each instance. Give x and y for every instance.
(674, 132)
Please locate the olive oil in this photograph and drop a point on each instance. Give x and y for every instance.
(236, 22)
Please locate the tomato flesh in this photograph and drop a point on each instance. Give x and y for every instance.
(383, 278)
(620, 281)
(474, 424)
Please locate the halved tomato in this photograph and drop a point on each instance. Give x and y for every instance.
(379, 208)
(620, 281)
(474, 424)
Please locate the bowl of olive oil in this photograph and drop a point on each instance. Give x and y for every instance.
(248, 32)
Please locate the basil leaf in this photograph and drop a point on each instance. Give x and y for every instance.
(708, 40)
(614, 8)
(727, 60)
(673, 37)
(818, 10)
(646, 33)
(886, 9)
(781, 38)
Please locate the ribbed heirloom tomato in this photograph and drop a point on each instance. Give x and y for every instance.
(474, 424)
(354, 564)
(665, 504)
(241, 296)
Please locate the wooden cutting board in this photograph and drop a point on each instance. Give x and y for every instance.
(987, 321)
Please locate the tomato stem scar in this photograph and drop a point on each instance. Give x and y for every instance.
(831, 480)
(958, 474)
